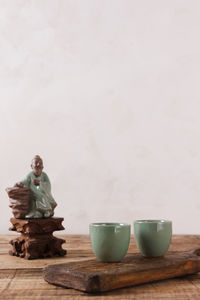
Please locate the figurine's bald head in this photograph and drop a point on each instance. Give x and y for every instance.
(37, 165)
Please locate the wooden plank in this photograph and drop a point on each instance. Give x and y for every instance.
(29, 284)
(94, 276)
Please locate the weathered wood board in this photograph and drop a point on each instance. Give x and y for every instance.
(94, 276)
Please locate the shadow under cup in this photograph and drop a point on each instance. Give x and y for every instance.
(110, 241)
(153, 237)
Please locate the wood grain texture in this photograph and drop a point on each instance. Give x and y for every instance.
(23, 279)
(36, 238)
(38, 226)
(94, 276)
(19, 201)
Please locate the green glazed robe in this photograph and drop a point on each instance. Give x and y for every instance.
(41, 199)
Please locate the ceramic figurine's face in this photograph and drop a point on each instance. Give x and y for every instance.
(37, 167)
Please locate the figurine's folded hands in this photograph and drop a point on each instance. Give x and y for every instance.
(36, 182)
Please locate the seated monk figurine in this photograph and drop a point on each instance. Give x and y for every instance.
(42, 203)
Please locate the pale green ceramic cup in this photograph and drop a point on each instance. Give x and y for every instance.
(110, 241)
(153, 237)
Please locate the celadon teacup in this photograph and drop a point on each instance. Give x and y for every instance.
(153, 237)
(110, 241)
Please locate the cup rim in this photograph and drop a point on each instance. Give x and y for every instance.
(110, 224)
(152, 221)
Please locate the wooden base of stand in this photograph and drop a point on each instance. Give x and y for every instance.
(36, 239)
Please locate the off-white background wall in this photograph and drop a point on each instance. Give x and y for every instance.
(108, 93)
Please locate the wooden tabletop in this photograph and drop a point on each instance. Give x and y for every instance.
(22, 279)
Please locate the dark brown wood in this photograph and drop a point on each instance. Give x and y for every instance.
(19, 200)
(95, 276)
(36, 239)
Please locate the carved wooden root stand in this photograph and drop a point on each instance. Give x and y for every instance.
(36, 239)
